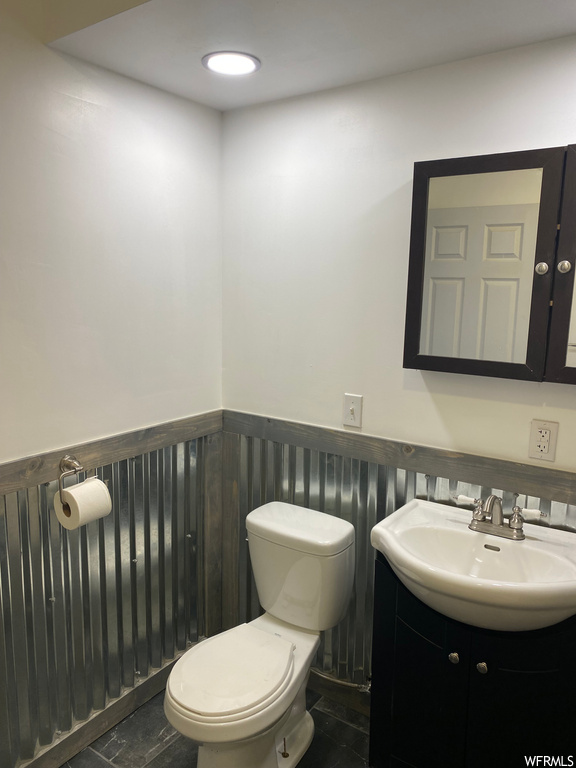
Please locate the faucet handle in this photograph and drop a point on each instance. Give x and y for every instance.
(517, 520)
(465, 500)
(532, 514)
(527, 513)
(478, 513)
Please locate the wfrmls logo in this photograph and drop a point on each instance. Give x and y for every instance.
(543, 760)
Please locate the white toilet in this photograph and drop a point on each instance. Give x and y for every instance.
(241, 694)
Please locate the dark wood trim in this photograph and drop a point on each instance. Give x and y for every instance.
(556, 368)
(231, 529)
(212, 523)
(75, 741)
(543, 482)
(42, 468)
(470, 367)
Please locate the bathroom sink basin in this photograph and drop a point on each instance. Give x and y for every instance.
(478, 578)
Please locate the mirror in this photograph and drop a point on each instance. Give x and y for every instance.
(477, 301)
(478, 264)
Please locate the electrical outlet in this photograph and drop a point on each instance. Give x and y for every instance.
(352, 413)
(543, 438)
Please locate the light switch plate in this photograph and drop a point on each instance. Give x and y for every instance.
(352, 413)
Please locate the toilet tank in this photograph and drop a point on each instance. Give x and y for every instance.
(303, 564)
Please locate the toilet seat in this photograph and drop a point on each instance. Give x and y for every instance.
(232, 676)
(262, 710)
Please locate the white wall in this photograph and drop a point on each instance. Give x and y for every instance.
(317, 211)
(110, 262)
(110, 268)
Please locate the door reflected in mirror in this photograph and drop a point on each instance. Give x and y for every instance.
(480, 246)
(570, 360)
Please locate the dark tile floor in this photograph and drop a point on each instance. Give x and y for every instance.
(145, 738)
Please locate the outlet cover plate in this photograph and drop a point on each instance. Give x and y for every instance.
(543, 439)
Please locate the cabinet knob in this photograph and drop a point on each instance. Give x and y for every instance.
(482, 667)
(541, 268)
(454, 658)
(564, 267)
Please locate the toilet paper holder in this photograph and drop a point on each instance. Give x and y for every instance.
(69, 465)
(84, 502)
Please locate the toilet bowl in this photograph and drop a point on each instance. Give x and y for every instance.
(241, 684)
(241, 694)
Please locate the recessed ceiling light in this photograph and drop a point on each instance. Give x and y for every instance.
(231, 63)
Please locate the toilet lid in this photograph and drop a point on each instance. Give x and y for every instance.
(231, 672)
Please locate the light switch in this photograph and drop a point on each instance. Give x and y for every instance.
(352, 414)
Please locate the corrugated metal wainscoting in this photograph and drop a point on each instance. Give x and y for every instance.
(91, 619)
(87, 614)
(262, 470)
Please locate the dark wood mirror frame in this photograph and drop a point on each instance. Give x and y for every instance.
(556, 368)
(548, 331)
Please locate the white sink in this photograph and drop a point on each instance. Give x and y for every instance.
(478, 578)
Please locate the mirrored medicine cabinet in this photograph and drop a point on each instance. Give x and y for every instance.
(492, 262)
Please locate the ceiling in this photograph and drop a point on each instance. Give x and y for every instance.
(305, 45)
(50, 19)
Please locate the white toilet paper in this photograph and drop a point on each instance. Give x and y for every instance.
(83, 503)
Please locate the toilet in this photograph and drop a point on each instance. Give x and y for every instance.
(241, 694)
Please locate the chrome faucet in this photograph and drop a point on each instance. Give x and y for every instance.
(493, 510)
(489, 518)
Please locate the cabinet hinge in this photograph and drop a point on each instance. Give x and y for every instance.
(551, 303)
(558, 226)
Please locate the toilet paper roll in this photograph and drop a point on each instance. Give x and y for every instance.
(83, 503)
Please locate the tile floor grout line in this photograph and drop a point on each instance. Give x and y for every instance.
(340, 720)
(167, 743)
(345, 722)
(176, 737)
(101, 756)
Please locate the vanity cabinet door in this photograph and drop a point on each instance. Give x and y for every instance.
(522, 702)
(419, 682)
(447, 695)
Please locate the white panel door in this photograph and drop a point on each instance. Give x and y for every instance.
(478, 281)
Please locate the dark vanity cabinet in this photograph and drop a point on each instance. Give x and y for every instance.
(492, 264)
(447, 695)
